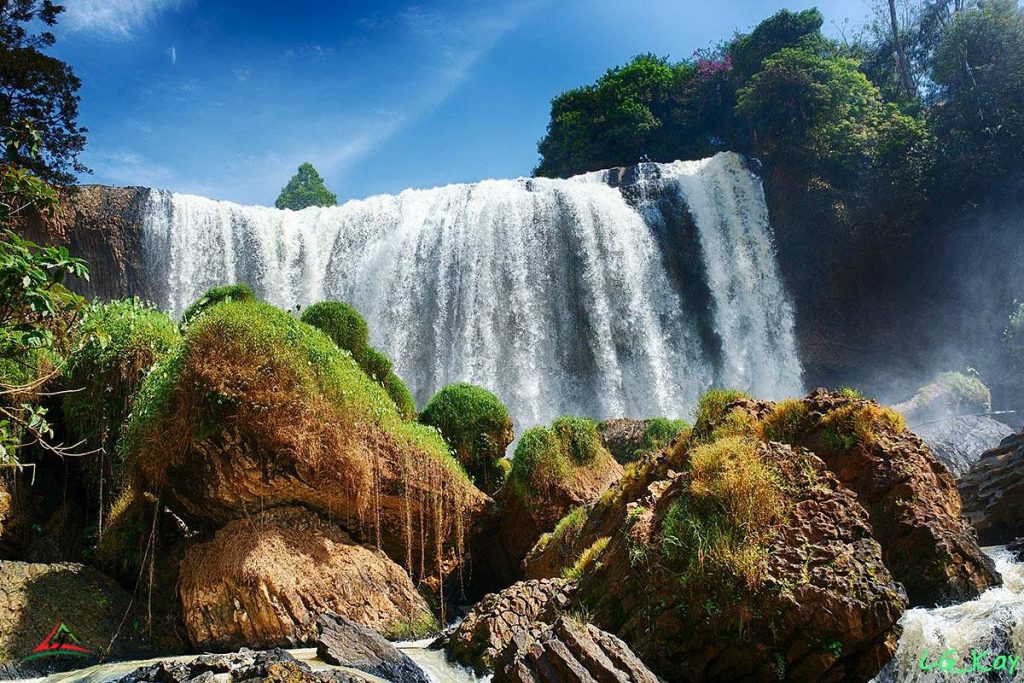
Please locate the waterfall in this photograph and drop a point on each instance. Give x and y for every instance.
(617, 293)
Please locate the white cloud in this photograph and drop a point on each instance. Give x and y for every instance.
(125, 167)
(119, 19)
(173, 52)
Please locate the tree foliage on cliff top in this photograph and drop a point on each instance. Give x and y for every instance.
(306, 188)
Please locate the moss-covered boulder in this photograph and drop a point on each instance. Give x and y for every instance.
(477, 426)
(731, 558)
(263, 582)
(554, 470)
(347, 328)
(214, 296)
(912, 500)
(257, 409)
(124, 340)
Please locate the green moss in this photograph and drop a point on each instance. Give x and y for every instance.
(477, 426)
(546, 455)
(966, 390)
(415, 628)
(254, 364)
(239, 292)
(343, 324)
(712, 412)
(785, 422)
(124, 340)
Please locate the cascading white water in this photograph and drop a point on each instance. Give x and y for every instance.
(558, 295)
(991, 625)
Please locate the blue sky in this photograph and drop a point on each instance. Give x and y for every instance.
(226, 98)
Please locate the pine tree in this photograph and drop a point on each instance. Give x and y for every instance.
(306, 188)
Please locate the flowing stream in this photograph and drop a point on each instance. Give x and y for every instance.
(621, 293)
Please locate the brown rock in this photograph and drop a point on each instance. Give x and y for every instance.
(993, 492)
(824, 606)
(263, 582)
(271, 666)
(5, 506)
(569, 652)
(103, 225)
(911, 499)
(495, 620)
(622, 437)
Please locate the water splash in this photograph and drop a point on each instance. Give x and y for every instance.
(561, 296)
(994, 622)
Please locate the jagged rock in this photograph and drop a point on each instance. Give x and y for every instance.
(342, 642)
(823, 606)
(569, 651)
(958, 442)
(993, 492)
(498, 617)
(911, 499)
(1017, 548)
(271, 666)
(622, 437)
(35, 598)
(264, 582)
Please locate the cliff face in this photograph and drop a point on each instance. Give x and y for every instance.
(103, 225)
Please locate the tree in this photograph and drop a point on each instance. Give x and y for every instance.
(306, 188)
(979, 117)
(39, 91)
(38, 314)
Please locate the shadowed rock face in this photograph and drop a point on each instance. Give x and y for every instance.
(993, 492)
(342, 642)
(103, 225)
(35, 598)
(272, 666)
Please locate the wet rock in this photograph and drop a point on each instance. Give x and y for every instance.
(960, 441)
(1017, 549)
(264, 582)
(993, 492)
(36, 598)
(345, 643)
(271, 666)
(569, 651)
(495, 620)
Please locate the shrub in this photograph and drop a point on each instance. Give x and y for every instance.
(343, 324)
(346, 327)
(659, 432)
(718, 528)
(711, 411)
(966, 390)
(124, 339)
(239, 292)
(545, 456)
(587, 558)
(783, 424)
(477, 426)
(858, 424)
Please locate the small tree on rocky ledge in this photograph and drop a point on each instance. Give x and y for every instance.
(306, 188)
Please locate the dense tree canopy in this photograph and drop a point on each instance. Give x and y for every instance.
(306, 188)
(38, 92)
